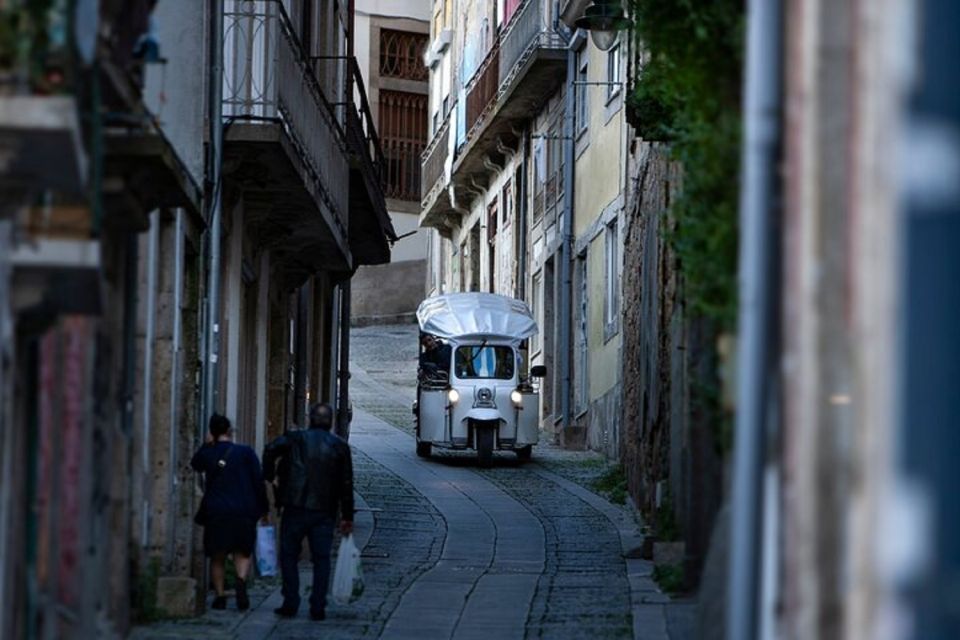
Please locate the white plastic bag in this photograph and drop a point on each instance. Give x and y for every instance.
(348, 575)
(266, 550)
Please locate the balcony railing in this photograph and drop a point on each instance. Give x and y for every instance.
(527, 32)
(267, 78)
(434, 157)
(483, 88)
(344, 80)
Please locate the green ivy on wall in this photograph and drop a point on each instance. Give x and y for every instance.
(687, 92)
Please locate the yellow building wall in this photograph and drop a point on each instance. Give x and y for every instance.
(599, 176)
(599, 168)
(604, 364)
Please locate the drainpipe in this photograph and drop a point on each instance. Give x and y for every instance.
(153, 241)
(300, 361)
(215, 115)
(343, 403)
(758, 317)
(174, 435)
(332, 333)
(521, 198)
(566, 240)
(7, 364)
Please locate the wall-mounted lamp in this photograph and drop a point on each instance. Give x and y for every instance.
(604, 19)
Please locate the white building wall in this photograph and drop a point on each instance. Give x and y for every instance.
(175, 91)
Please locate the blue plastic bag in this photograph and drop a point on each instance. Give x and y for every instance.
(266, 550)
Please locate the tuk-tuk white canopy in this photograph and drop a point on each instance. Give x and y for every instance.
(460, 316)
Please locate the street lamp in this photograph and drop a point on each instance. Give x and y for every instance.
(604, 19)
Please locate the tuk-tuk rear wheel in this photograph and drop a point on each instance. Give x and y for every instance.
(424, 449)
(525, 453)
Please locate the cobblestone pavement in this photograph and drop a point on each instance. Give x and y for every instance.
(384, 369)
(454, 551)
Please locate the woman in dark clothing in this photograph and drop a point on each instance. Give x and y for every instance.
(234, 499)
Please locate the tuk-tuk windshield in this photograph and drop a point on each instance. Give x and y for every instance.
(484, 362)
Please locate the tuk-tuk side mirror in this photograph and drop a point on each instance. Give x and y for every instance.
(538, 371)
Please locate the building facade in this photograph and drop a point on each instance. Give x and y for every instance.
(391, 40)
(521, 185)
(114, 310)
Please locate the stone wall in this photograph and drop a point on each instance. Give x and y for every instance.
(387, 293)
(670, 435)
(649, 286)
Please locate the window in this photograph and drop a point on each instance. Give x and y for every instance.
(401, 55)
(611, 306)
(555, 149)
(583, 351)
(496, 362)
(536, 304)
(539, 178)
(582, 112)
(403, 137)
(613, 72)
(506, 197)
(492, 210)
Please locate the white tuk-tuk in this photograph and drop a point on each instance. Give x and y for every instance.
(484, 398)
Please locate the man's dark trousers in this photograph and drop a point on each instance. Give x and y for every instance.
(317, 527)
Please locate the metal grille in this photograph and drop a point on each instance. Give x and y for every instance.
(403, 136)
(434, 158)
(401, 55)
(482, 90)
(266, 79)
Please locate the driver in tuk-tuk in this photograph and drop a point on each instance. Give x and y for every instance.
(435, 357)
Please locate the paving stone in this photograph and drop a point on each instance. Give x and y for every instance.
(519, 550)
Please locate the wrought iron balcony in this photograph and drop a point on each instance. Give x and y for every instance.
(432, 178)
(523, 68)
(520, 71)
(370, 225)
(284, 146)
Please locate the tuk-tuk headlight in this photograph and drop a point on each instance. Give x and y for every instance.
(453, 396)
(517, 397)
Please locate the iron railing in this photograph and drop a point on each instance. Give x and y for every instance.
(401, 55)
(268, 78)
(434, 158)
(528, 31)
(403, 133)
(352, 109)
(483, 88)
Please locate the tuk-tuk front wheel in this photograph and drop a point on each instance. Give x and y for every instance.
(424, 449)
(485, 446)
(524, 453)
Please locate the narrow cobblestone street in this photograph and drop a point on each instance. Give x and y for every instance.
(454, 551)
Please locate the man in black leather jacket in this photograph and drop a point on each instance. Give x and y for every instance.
(315, 481)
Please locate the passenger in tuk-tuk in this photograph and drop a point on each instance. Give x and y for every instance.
(435, 357)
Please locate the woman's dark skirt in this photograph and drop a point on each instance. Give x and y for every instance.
(229, 534)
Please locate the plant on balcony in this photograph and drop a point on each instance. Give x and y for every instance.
(687, 92)
(33, 43)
